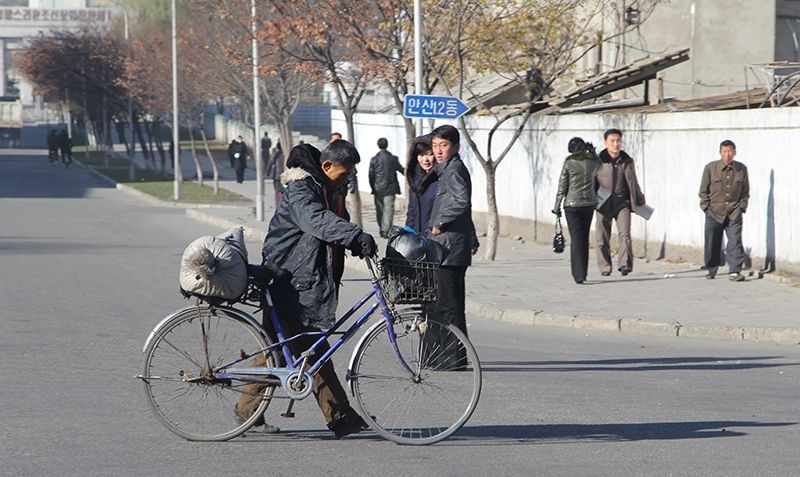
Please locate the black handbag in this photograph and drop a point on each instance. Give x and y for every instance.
(558, 238)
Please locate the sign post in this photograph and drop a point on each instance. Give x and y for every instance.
(433, 107)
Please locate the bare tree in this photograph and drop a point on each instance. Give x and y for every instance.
(531, 44)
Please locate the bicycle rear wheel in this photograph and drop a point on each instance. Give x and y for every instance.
(179, 378)
(430, 403)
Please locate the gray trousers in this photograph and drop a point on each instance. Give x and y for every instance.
(384, 211)
(603, 236)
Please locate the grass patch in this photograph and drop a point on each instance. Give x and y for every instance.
(191, 193)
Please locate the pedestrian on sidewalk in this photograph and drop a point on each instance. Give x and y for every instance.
(383, 170)
(276, 169)
(576, 188)
(616, 178)
(307, 238)
(724, 192)
(451, 226)
(237, 152)
(266, 145)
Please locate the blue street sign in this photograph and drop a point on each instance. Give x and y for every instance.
(426, 106)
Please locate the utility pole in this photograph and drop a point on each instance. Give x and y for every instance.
(418, 64)
(131, 150)
(176, 188)
(257, 119)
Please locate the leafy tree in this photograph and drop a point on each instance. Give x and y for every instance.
(82, 66)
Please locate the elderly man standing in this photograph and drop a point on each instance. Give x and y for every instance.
(724, 192)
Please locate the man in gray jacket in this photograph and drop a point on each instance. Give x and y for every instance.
(451, 226)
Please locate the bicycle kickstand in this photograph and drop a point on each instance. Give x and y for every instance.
(289, 412)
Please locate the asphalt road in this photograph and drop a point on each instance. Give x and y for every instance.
(87, 271)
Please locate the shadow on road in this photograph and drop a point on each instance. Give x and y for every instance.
(700, 363)
(616, 432)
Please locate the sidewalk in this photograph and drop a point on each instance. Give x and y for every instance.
(528, 284)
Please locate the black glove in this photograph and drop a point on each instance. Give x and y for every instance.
(364, 245)
(556, 212)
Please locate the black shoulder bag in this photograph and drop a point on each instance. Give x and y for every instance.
(558, 237)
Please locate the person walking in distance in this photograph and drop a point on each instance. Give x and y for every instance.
(237, 152)
(276, 170)
(576, 188)
(617, 179)
(383, 169)
(724, 192)
(266, 145)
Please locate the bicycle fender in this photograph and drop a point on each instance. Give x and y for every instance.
(355, 352)
(232, 311)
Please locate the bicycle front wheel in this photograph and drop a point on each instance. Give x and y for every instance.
(180, 374)
(433, 400)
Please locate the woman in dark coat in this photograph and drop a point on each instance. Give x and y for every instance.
(576, 188)
(422, 184)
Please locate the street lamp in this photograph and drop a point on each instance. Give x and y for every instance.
(176, 188)
(418, 64)
(131, 150)
(257, 120)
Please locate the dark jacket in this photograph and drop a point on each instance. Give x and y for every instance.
(576, 185)
(306, 238)
(605, 178)
(722, 197)
(452, 211)
(383, 169)
(421, 190)
(276, 170)
(241, 149)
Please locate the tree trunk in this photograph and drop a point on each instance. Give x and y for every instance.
(197, 166)
(285, 130)
(214, 170)
(122, 136)
(354, 196)
(493, 219)
(137, 133)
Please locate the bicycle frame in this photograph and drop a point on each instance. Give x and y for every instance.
(298, 365)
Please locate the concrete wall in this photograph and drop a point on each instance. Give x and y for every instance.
(670, 150)
(724, 36)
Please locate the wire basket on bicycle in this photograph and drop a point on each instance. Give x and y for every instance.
(409, 282)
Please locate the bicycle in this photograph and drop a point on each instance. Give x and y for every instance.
(415, 380)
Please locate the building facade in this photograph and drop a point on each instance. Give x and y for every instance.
(724, 36)
(23, 19)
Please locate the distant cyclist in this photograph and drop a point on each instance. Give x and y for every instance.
(52, 146)
(65, 147)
